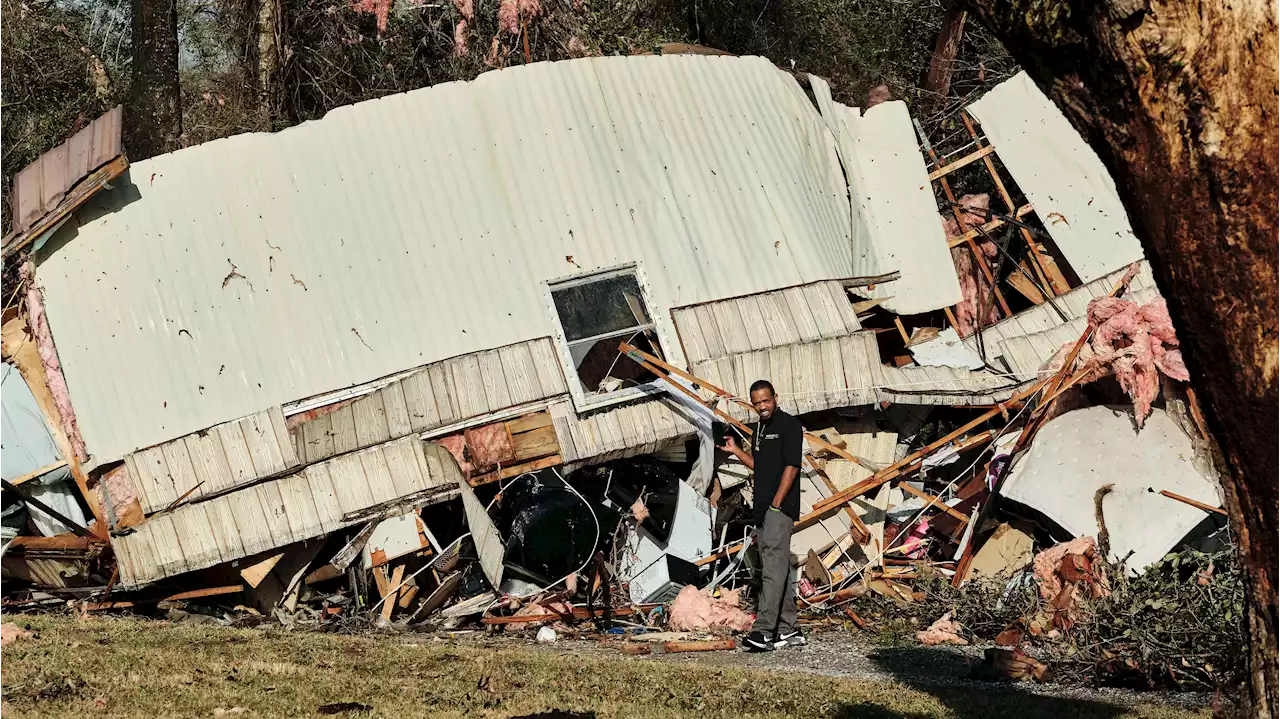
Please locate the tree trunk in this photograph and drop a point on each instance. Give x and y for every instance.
(1179, 101)
(153, 113)
(270, 57)
(938, 80)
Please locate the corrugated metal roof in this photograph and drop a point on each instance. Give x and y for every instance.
(261, 269)
(40, 186)
(1061, 175)
(894, 214)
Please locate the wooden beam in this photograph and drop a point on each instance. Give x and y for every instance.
(987, 227)
(554, 460)
(200, 593)
(897, 322)
(39, 472)
(966, 160)
(1008, 203)
(392, 588)
(978, 257)
(1193, 503)
(59, 543)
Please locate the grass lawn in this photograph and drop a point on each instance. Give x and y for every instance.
(108, 667)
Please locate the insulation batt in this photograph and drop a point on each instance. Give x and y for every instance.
(695, 610)
(943, 631)
(1136, 344)
(973, 282)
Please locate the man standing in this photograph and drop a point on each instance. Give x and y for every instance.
(776, 449)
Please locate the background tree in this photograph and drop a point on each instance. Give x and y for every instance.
(1179, 100)
(153, 109)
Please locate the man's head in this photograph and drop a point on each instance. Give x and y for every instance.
(763, 398)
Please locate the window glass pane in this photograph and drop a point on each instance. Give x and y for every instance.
(595, 308)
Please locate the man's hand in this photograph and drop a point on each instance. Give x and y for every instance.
(729, 445)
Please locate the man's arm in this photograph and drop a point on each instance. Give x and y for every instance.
(792, 451)
(732, 447)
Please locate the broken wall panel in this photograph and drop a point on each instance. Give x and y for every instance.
(212, 461)
(259, 269)
(1061, 175)
(743, 324)
(469, 388)
(627, 430)
(894, 213)
(321, 499)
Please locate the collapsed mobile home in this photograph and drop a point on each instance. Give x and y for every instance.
(268, 339)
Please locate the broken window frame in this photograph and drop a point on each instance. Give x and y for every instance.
(583, 400)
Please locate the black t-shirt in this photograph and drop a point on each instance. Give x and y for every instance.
(776, 444)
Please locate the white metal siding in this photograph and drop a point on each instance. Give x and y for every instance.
(416, 227)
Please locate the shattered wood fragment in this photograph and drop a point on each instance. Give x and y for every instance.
(715, 645)
(1194, 503)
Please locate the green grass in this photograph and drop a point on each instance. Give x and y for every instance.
(103, 667)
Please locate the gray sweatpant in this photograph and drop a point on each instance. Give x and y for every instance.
(776, 610)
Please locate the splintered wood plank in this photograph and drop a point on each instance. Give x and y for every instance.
(710, 331)
(420, 401)
(236, 451)
(397, 411)
(469, 383)
(371, 420)
(733, 332)
(563, 420)
(550, 373)
(539, 443)
(288, 451)
(529, 422)
(753, 321)
(317, 438)
(521, 373)
(442, 468)
(304, 521)
(377, 475)
(777, 319)
(801, 314)
(222, 526)
(254, 573)
(494, 380)
(442, 389)
(264, 451)
(403, 467)
(686, 321)
(153, 479)
(347, 473)
(181, 471)
(342, 429)
(328, 508)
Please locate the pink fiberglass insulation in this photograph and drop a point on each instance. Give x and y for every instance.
(461, 34)
(695, 610)
(466, 8)
(1136, 344)
(53, 377)
(119, 487)
(489, 445)
(978, 308)
(457, 446)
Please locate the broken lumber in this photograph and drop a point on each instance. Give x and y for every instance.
(714, 645)
(932, 501)
(1193, 503)
(577, 613)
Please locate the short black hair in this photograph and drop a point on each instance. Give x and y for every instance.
(762, 384)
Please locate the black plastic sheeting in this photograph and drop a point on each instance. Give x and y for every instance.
(551, 531)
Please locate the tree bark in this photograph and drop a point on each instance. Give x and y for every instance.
(1179, 100)
(153, 113)
(938, 80)
(270, 57)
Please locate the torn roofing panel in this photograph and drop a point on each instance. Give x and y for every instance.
(260, 269)
(894, 213)
(1076, 454)
(40, 187)
(1061, 176)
